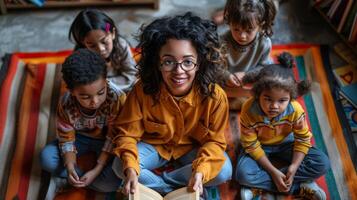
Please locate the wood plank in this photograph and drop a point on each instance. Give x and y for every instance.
(83, 3)
(2, 7)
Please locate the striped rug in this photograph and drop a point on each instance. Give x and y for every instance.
(27, 100)
(31, 85)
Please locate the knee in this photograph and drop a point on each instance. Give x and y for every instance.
(322, 164)
(316, 164)
(117, 167)
(244, 175)
(48, 160)
(226, 172)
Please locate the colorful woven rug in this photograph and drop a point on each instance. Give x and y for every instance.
(29, 92)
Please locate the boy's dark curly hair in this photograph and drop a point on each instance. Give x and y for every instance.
(278, 76)
(248, 13)
(83, 67)
(93, 19)
(203, 36)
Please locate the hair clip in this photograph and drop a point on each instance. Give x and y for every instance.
(107, 27)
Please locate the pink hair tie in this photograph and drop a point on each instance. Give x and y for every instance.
(107, 27)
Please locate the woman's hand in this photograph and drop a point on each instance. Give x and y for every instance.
(195, 183)
(131, 181)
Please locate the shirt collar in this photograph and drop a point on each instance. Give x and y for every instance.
(191, 98)
(256, 109)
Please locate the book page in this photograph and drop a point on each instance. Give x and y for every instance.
(145, 193)
(182, 194)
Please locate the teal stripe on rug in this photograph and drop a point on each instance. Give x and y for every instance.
(315, 127)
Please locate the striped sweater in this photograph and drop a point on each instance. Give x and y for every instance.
(257, 129)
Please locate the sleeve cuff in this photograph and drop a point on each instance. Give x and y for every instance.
(257, 154)
(202, 169)
(130, 162)
(68, 147)
(302, 149)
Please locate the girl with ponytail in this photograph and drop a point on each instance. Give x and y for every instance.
(273, 124)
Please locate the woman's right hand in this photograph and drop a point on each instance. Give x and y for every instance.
(131, 181)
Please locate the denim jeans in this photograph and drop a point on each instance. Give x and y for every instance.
(51, 161)
(249, 173)
(168, 181)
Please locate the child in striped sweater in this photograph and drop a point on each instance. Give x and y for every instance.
(273, 124)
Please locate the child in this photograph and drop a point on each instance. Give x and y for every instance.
(218, 15)
(273, 124)
(176, 112)
(248, 43)
(83, 115)
(96, 31)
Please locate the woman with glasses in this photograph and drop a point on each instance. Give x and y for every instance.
(176, 112)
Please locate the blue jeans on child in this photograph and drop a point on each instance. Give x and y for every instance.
(168, 181)
(52, 162)
(249, 173)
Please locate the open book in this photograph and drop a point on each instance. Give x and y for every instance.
(145, 193)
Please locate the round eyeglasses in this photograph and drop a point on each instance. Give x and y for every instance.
(185, 65)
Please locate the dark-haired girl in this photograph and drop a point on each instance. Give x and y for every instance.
(94, 30)
(248, 40)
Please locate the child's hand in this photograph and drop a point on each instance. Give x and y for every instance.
(73, 178)
(235, 79)
(279, 180)
(239, 76)
(195, 183)
(131, 181)
(232, 81)
(89, 176)
(290, 174)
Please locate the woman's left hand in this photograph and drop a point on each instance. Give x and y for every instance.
(195, 183)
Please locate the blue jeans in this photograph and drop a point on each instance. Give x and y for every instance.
(249, 173)
(168, 181)
(52, 162)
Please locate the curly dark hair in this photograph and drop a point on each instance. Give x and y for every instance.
(93, 19)
(203, 36)
(82, 67)
(248, 13)
(277, 76)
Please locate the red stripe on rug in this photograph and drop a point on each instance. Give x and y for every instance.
(293, 46)
(5, 93)
(43, 54)
(31, 131)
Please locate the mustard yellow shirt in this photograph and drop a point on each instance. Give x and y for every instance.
(257, 129)
(174, 127)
